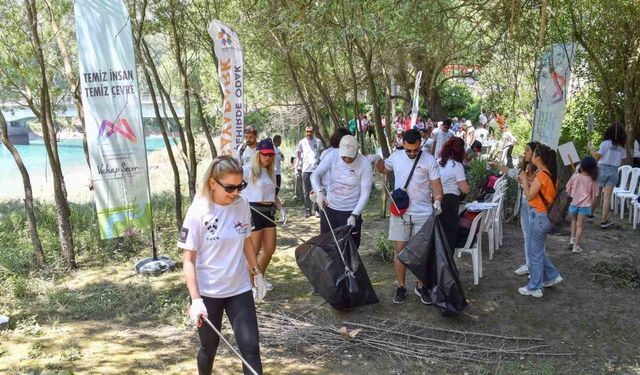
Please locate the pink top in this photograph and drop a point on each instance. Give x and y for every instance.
(582, 189)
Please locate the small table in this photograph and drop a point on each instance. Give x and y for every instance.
(480, 206)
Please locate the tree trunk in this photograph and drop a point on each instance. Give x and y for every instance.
(172, 160)
(205, 126)
(366, 59)
(191, 152)
(51, 144)
(434, 104)
(28, 194)
(354, 88)
(296, 82)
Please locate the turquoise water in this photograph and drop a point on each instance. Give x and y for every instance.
(71, 154)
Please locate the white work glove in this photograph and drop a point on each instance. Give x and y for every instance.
(374, 158)
(283, 216)
(321, 200)
(437, 207)
(351, 221)
(261, 288)
(196, 309)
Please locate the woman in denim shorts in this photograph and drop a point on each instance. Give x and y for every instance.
(609, 157)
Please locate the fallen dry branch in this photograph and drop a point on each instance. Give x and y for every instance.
(394, 339)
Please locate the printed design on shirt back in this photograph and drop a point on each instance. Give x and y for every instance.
(212, 229)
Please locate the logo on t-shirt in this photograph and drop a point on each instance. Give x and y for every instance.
(212, 229)
(240, 227)
(184, 233)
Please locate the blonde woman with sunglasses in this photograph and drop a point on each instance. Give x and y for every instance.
(216, 252)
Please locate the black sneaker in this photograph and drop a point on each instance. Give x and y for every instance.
(424, 295)
(307, 213)
(606, 224)
(590, 218)
(401, 295)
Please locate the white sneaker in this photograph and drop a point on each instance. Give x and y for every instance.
(528, 292)
(550, 283)
(522, 270)
(572, 241)
(576, 249)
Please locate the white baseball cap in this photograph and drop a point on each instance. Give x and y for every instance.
(348, 147)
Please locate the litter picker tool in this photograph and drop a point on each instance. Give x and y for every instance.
(352, 285)
(206, 320)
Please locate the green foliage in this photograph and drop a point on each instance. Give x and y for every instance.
(574, 124)
(476, 176)
(384, 247)
(457, 101)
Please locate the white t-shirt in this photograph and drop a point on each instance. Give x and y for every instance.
(262, 189)
(482, 135)
(348, 186)
(636, 149)
(247, 154)
(279, 158)
(324, 183)
(450, 175)
(419, 188)
(440, 137)
(470, 135)
(508, 139)
(217, 233)
(309, 150)
(611, 155)
(426, 145)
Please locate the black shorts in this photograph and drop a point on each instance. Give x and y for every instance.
(259, 221)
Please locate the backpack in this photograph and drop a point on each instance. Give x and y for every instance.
(487, 188)
(558, 209)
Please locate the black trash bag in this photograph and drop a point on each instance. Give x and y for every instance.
(321, 263)
(428, 257)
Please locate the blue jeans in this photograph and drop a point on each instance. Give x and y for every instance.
(540, 267)
(524, 223)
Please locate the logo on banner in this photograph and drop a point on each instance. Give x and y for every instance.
(225, 38)
(122, 127)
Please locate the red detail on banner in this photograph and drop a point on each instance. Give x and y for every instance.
(122, 126)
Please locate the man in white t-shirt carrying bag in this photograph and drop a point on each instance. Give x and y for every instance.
(348, 187)
(425, 199)
(308, 153)
(247, 149)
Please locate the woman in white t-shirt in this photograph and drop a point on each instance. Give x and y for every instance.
(215, 259)
(261, 194)
(348, 176)
(454, 182)
(609, 157)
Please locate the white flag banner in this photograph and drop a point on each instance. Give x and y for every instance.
(231, 74)
(113, 117)
(416, 99)
(553, 84)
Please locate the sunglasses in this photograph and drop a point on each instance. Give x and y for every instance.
(232, 188)
(412, 151)
(268, 155)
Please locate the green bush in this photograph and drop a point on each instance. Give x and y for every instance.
(384, 247)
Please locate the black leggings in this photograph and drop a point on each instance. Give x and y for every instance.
(450, 219)
(242, 314)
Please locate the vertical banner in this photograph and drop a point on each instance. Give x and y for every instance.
(231, 74)
(113, 116)
(416, 98)
(553, 83)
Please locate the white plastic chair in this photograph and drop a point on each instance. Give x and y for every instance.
(625, 172)
(635, 206)
(498, 218)
(491, 222)
(630, 192)
(474, 248)
(632, 196)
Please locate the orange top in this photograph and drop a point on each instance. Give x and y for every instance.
(548, 189)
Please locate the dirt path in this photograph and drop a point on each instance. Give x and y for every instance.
(104, 320)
